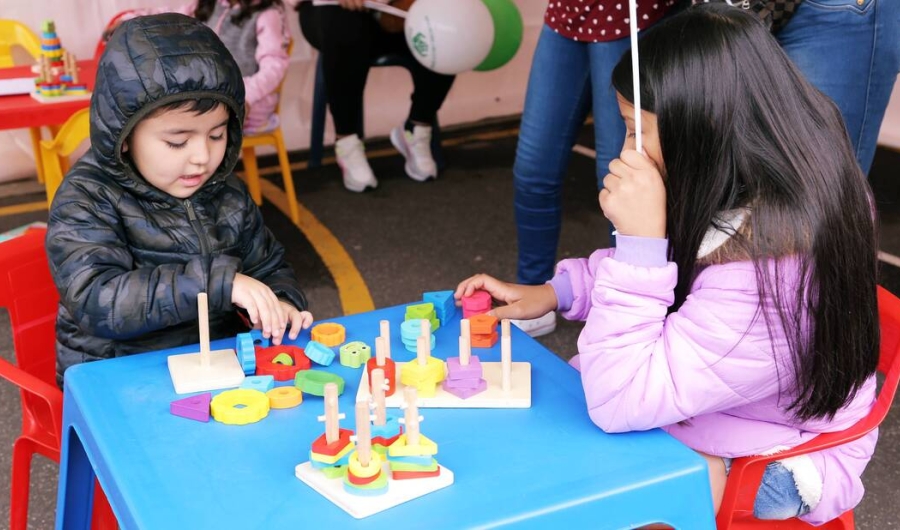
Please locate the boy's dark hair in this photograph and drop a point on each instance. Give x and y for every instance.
(740, 126)
(197, 106)
(248, 7)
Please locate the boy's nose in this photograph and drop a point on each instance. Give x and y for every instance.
(200, 154)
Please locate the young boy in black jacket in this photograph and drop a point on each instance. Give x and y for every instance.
(152, 215)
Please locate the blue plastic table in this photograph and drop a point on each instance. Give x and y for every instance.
(546, 466)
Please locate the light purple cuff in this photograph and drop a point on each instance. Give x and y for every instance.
(642, 251)
(563, 288)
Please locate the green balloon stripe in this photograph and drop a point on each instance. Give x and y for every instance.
(508, 29)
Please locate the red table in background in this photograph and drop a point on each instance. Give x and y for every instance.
(23, 111)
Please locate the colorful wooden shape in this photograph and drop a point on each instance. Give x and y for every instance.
(246, 353)
(283, 358)
(423, 448)
(358, 481)
(259, 340)
(373, 468)
(355, 354)
(330, 334)
(444, 304)
(319, 353)
(322, 447)
(420, 311)
(239, 406)
(485, 341)
(411, 345)
(466, 392)
(340, 458)
(390, 429)
(463, 384)
(406, 475)
(457, 371)
(284, 397)
(413, 460)
(193, 407)
(266, 365)
(408, 466)
(475, 304)
(483, 324)
(314, 381)
(378, 487)
(263, 383)
(390, 373)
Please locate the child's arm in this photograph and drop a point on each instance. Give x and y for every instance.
(100, 284)
(272, 38)
(642, 368)
(263, 259)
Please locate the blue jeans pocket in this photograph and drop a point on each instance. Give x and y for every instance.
(857, 6)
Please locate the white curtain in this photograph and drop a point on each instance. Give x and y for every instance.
(474, 96)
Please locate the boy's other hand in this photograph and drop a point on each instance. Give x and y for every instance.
(265, 310)
(299, 320)
(522, 301)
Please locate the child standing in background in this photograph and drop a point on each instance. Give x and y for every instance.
(256, 33)
(153, 214)
(738, 310)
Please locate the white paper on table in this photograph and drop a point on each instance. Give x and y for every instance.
(19, 85)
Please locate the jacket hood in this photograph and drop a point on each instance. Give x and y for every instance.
(152, 61)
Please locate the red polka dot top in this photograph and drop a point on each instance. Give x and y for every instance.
(601, 20)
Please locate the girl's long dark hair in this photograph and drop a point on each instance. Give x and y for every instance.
(739, 126)
(248, 7)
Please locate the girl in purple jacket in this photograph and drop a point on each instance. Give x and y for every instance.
(738, 311)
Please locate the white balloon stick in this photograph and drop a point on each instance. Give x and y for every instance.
(371, 4)
(635, 75)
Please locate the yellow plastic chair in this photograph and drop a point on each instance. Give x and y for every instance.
(12, 34)
(251, 169)
(55, 153)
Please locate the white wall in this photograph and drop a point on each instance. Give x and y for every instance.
(474, 96)
(890, 128)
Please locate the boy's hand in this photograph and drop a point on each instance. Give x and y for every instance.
(299, 320)
(522, 301)
(264, 308)
(633, 197)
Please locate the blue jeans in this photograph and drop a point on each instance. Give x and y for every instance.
(568, 79)
(851, 52)
(777, 497)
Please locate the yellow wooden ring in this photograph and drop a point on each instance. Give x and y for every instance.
(361, 471)
(329, 333)
(284, 397)
(224, 406)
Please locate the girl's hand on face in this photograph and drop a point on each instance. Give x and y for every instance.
(299, 320)
(633, 197)
(264, 308)
(352, 5)
(522, 301)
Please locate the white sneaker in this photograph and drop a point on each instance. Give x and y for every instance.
(537, 327)
(416, 149)
(351, 157)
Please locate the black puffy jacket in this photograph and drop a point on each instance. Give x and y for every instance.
(129, 259)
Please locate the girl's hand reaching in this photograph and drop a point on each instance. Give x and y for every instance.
(633, 197)
(265, 310)
(352, 5)
(522, 301)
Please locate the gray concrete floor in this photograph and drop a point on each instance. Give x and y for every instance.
(407, 238)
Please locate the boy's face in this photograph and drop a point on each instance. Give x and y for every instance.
(178, 150)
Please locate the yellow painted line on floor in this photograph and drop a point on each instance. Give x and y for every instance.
(352, 290)
(23, 208)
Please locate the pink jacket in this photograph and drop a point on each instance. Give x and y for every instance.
(711, 363)
(264, 67)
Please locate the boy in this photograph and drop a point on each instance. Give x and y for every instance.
(152, 215)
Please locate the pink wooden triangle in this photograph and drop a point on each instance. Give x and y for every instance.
(193, 407)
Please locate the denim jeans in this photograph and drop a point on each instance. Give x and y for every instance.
(777, 497)
(568, 79)
(849, 50)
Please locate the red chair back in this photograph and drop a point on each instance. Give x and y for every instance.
(736, 511)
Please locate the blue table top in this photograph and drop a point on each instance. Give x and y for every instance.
(529, 466)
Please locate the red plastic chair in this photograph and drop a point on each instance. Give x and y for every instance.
(29, 295)
(736, 511)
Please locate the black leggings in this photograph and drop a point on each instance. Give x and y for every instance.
(349, 41)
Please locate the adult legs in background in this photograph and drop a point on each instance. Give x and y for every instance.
(849, 50)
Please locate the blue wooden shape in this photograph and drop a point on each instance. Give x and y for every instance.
(319, 353)
(246, 353)
(444, 304)
(263, 383)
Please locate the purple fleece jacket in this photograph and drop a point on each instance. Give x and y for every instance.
(711, 362)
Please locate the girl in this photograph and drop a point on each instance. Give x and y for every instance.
(256, 33)
(738, 311)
